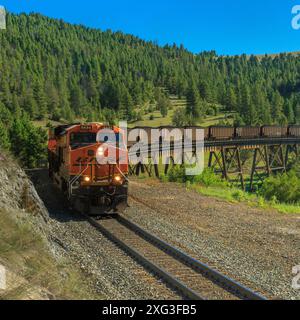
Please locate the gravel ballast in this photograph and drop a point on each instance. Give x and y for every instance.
(257, 247)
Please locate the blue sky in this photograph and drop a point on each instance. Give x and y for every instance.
(227, 26)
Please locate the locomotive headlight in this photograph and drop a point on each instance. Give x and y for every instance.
(100, 152)
(118, 179)
(87, 179)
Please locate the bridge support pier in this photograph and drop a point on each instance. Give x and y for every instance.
(227, 161)
(292, 150)
(267, 160)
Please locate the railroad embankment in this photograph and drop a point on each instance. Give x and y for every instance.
(31, 266)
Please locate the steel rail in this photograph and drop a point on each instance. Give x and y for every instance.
(222, 280)
(163, 274)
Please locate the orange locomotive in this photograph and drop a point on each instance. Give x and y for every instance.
(82, 166)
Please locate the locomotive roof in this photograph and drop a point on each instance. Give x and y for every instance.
(63, 129)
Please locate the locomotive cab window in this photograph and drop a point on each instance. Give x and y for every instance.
(82, 139)
(111, 138)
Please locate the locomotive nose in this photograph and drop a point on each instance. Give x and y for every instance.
(104, 155)
(107, 154)
(100, 152)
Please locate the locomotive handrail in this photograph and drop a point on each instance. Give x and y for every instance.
(75, 179)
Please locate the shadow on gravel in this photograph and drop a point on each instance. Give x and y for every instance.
(54, 201)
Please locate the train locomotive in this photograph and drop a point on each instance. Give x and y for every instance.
(89, 164)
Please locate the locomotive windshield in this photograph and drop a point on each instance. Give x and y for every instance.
(81, 139)
(111, 138)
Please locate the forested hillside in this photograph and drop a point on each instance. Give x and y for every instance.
(51, 69)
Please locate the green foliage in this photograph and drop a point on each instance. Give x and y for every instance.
(28, 143)
(179, 118)
(4, 137)
(276, 192)
(239, 195)
(59, 70)
(163, 105)
(206, 178)
(56, 116)
(282, 188)
(194, 106)
(54, 70)
(209, 178)
(177, 174)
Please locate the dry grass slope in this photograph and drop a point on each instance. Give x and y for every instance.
(33, 271)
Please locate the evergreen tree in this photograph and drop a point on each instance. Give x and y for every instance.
(41, 101)
(231, 100)
(193, 109)
(28, 143)
(4, 137)
(163, 106)
(289, 112)
(179, 118)
(61, 68)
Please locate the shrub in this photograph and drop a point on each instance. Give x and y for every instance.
(207, 177)
(282, 188)
(177, 174)
(28, 143)
(239, 195)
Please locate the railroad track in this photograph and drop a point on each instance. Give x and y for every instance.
(191, 278)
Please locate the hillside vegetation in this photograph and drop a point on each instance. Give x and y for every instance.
(51, 67)
(54, 70)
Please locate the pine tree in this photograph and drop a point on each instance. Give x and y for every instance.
(289, 111)
(30, 104)
(28, 143)
(205, 91)
(231, 100)
(163, 105)
(179, 118)
(41, 101)
(193, 109)
(77, 100)
(126, 106)
(246, 108)
(277, 107)
(4, 137)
